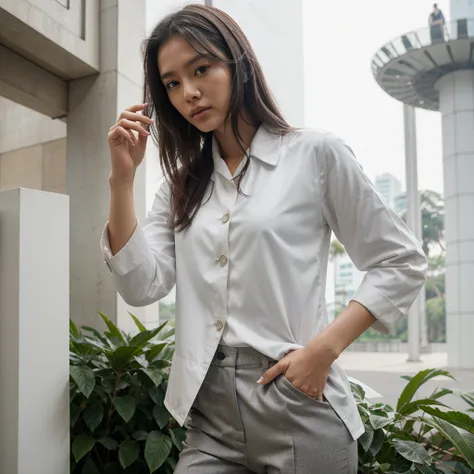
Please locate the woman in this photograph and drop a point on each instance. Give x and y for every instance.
(242, 225)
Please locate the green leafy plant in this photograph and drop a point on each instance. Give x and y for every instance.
(119, 423)
(420, 435)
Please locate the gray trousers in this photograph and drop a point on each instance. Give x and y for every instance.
(239, 427)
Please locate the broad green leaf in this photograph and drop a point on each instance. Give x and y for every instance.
(178, 435)
(378, 422)
(161, 415)
(168, 352)
(425, 469)
(93, 331)
(408, 426)
(97, 344)
(357, 390)
(157, 449)
(453, 467)
(84, 378)
(141, 360)
(157, 395)
(412, 451)
(367, 438)
(128, 452)
(138, 323)
(456, 438)
(112, 328)
(155, 375)
(416, 382)
(85, 349)
(121, 356)
(420, 404)
(377, 443)
(73, 331)
(469, 438)
(90, 467)
(108, 443)
(93, 415)
(125, 407)
(160, 328)
(81, 445)
(160, 364)
(456, 418)
(143, 337)
(155, 351)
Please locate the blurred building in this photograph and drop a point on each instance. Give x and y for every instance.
(347, 281)
(67, 70)
(400, 205)
(389, 187)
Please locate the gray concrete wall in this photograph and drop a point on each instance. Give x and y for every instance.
(41, 167)
(21, 127)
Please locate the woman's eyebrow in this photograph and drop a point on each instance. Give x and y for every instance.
(188, 63)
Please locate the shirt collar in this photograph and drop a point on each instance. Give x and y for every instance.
(265, 146)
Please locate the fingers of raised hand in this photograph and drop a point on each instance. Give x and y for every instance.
(131, 125)
(117, 135)
(143, 120)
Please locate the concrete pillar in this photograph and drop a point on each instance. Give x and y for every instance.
(34, 328)
(413, 222)
(457, 108)
(94, 105)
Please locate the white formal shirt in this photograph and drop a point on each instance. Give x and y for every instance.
(251, 269)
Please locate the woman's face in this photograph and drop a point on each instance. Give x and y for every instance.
(197, 86)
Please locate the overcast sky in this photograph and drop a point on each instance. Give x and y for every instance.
(340, 38)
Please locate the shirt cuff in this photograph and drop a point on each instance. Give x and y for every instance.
(130, 256)
(381, 307)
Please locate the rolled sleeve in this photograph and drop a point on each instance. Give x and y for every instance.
(133, 253)
(375, 237)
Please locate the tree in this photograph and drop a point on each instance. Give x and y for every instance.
(336, 250)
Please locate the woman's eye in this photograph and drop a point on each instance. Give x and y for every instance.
(172, 84)
(201, 70)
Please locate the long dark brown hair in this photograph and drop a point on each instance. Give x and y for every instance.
(185, 151)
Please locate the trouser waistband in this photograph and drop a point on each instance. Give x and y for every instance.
(226, 356)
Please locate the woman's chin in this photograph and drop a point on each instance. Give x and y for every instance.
(206, 127)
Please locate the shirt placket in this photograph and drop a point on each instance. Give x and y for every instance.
(226, 194)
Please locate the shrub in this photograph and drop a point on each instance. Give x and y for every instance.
(117, 386)
(421, 435)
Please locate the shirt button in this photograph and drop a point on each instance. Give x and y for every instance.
(223, 260)
(219, 324)
(225, 218)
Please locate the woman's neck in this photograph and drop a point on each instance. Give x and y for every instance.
(228, 144)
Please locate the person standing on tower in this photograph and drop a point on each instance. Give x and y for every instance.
(436, 22)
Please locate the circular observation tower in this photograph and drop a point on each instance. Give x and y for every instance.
(433, 68)
(411, 67)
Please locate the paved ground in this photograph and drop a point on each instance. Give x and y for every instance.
(383, 371)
